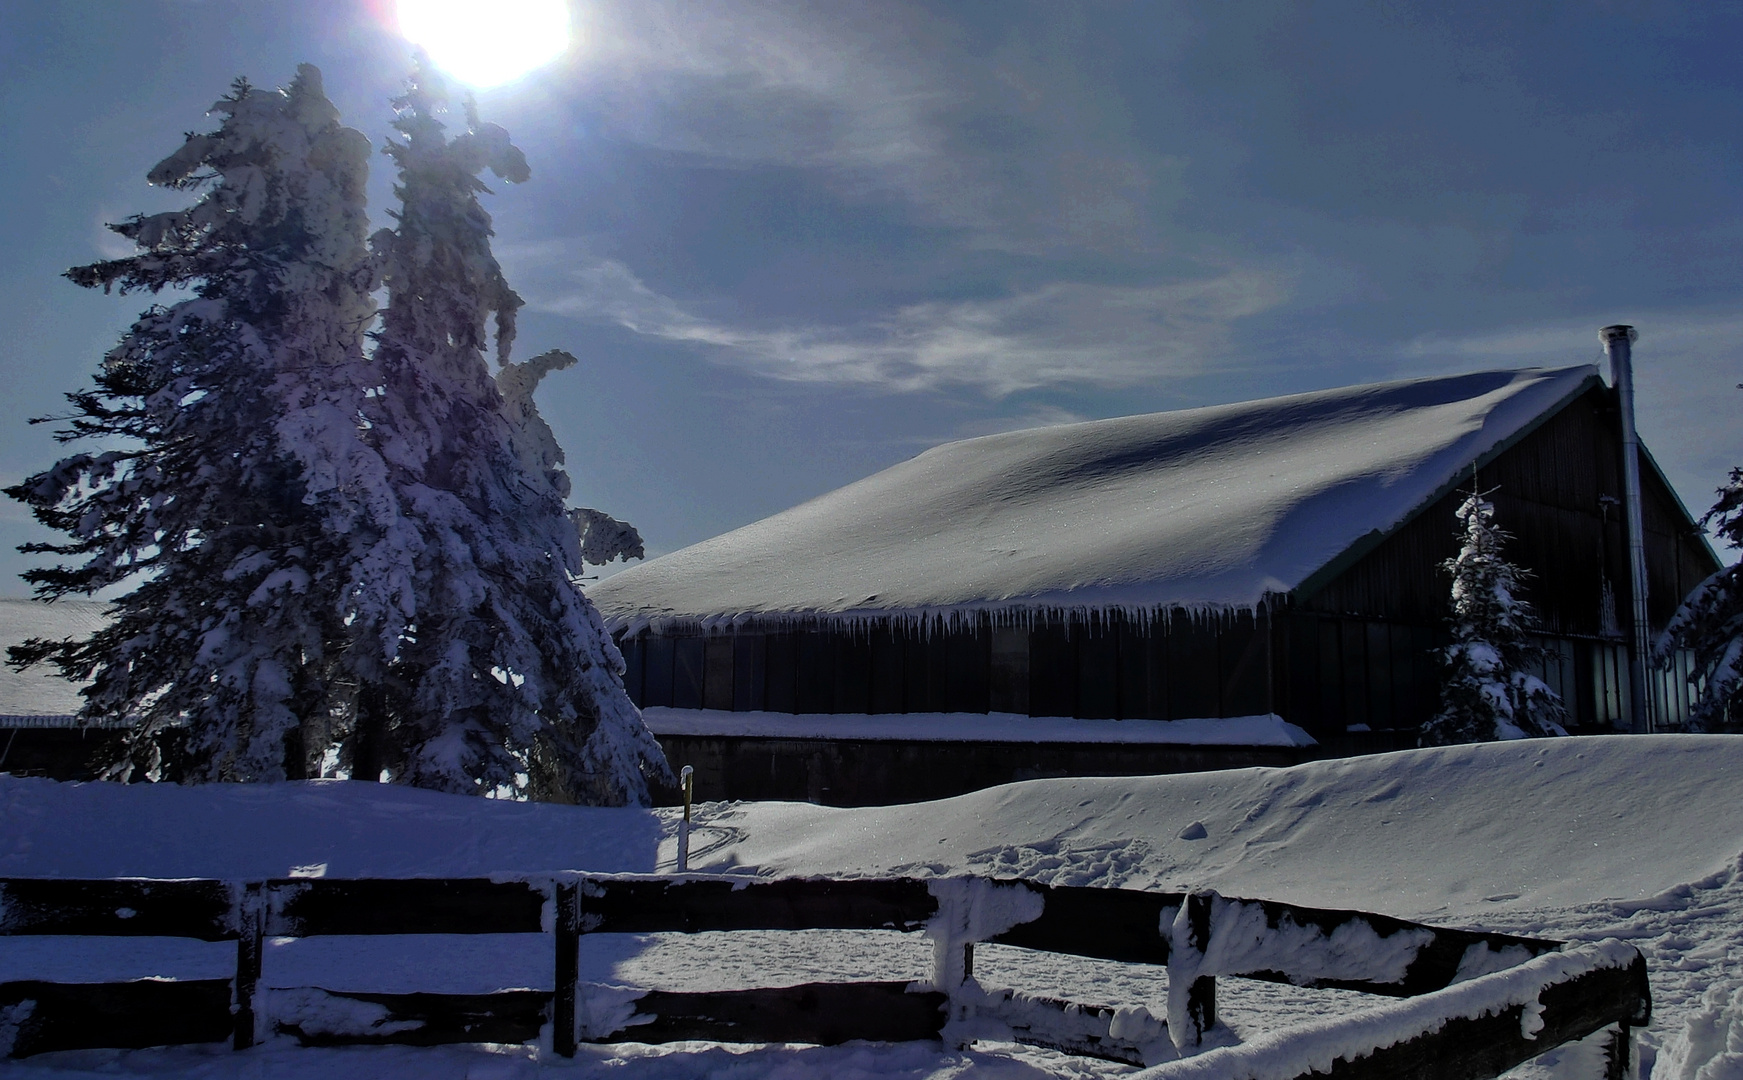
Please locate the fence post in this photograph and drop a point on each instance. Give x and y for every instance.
(1201, 998)
(686, 780)
(1619, 1053)
(1191, 989)
(250, 930)
(568, 934)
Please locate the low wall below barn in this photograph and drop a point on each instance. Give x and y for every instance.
(865, 772)
(59, 753)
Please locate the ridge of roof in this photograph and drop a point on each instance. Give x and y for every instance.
(1206, 509)
(1366, 544)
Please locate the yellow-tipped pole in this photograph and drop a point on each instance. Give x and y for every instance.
(687, 779)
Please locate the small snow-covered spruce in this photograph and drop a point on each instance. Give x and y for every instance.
(1710, 624)
(234, 477)
(502, 679)
(1486, 693)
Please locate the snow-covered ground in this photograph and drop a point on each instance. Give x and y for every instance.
(1580, 839)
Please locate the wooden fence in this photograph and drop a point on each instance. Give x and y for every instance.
(1478, 1002)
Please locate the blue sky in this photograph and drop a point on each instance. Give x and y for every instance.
(794, 243)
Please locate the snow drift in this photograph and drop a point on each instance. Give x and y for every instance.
(1632, 837)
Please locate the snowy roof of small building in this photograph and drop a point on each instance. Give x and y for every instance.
(37, 697)
(1205, 509)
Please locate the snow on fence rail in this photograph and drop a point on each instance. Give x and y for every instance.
(1478, 1003)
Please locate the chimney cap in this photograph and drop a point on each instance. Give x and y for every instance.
(1621, 331)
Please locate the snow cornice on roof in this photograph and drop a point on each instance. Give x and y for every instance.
(1207, 512)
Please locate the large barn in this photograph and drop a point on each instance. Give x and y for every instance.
(1277, 558)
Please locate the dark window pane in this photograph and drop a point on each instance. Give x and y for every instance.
(1584, 707)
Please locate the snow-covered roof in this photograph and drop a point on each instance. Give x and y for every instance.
(37, 697)
(1206, 509)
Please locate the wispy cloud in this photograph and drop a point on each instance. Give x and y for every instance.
(887, 104)
(1061, 333)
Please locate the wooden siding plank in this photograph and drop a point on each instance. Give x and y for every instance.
(311, 907)
(852, 674)
(1098, 672)
(506, 1017)
(124, 1015)
(1160, 675)
(1104, 924)
(1242, 667)
(916, 672)
(937, 653)
(824, 1014)
(118, 908)
(657, 688)
(675, 905)
(687, 672)
(1193, 692)
(968, 656)
(1381, 675)
(633, 649)
(1353, 647)
(717, 672)
(749, 673)
(1331, 677)
(1008, 681)
(782, 693)
(1052, 671)
(886, 671)
(1132, 644)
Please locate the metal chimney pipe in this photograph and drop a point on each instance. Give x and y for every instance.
(1618, 342)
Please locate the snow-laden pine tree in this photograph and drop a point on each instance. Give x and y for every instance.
(502, 678)
(1710, 623)
(1487, 693)
(233, 481)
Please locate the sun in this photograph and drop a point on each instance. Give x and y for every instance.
(487, 44)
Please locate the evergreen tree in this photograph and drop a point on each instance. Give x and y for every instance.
(1710, 623)
(1487, 693)
(236, 480)
(500, 677)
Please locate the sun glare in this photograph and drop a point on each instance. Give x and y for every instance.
(487, 44)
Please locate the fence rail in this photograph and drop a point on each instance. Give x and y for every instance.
(1452, 981)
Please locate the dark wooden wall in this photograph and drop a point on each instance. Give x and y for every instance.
(1111, 668)
(1354, 651)
(1549, 493)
